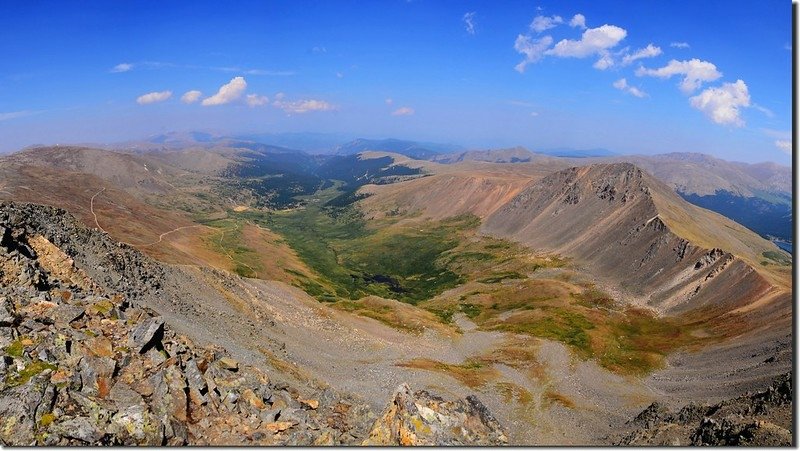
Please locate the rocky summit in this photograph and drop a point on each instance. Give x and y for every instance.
(86, 365)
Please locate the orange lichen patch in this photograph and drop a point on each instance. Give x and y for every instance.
(278, 426)
(58, 264)
(100, 346)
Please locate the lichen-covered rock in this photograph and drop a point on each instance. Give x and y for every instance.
(414, 419)
(144, 335)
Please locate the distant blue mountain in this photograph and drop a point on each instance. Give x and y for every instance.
(577, 153)
(411, 149)
(319, 143)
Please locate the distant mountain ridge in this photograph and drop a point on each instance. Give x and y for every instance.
(412, 149)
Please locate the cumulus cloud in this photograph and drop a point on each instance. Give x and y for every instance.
(722, 104)
(648, 52)
(123, 67)
(542, 23)
(389, 101)
(593, 41)
(622, 85)
(153, 97)
(784, 145)
(694, 71)
(254, 100)
(533, 49)
(302, 106)
(679, 45)
(604, 62)
(469, 22)
(579, 21)
(191, 96)
(227, 93)
(403, 111)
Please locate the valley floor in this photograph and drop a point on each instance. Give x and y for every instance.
(537, 388)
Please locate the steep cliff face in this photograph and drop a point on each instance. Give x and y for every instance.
(84, 359)
(618, 221)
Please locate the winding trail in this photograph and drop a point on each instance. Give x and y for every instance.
(91, 208)
(161, 237)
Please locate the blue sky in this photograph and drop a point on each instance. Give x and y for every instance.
(632, 77)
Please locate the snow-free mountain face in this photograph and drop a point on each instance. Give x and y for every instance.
(469, 276)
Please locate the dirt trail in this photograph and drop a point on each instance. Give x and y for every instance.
(91, 208)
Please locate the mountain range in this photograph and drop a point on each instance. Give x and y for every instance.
(546, 299)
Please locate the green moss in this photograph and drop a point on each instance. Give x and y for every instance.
(46, 420)
(32, 369)
(15, 349)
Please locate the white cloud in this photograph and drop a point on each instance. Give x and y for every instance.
(767, 112)
(191, 96)
(403, 111)
(542, 23)
(533, 49)
(254, 100)
(534, 113)
(622, 85)
(302, 106)
(648, 52)
(123, 67)
(722, 104)
(593, 41)
(679, 45)
(227, 93)
(153, 97)
(605, 61)
(694, 71)
(15, 114)
(389, 101)
(521, 103)
(783, 135)
(469, 22)
(579, 21)
(280, 96)
(784, 145)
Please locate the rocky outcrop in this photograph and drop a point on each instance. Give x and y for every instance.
(760, 419)
(82, 362)
(422, 419)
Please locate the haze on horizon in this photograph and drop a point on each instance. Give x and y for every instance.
(644, 77)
